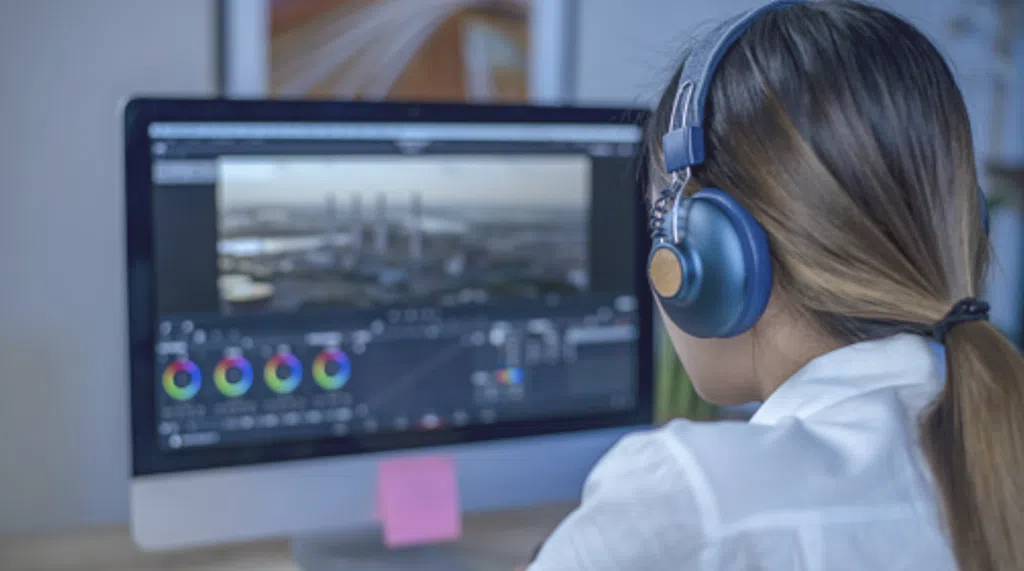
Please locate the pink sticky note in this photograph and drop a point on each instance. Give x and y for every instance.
(418, 501)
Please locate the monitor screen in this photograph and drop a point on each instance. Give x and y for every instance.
(340, 287)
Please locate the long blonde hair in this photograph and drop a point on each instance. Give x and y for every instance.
(842, 130)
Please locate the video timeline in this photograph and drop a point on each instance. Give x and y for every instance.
(230, 380)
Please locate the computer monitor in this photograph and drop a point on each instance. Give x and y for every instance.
(314, 286)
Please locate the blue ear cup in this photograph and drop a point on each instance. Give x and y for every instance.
(715, 280)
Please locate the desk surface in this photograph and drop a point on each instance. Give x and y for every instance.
(498, 541)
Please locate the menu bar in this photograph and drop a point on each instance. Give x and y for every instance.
(554, 132)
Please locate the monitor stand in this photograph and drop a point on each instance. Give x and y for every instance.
(366, 552)
(503, 540)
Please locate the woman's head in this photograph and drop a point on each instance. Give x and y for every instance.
(841, 129)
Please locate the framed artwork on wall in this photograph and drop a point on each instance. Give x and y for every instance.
(504, 51)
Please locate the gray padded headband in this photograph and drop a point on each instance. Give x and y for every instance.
(683, 145)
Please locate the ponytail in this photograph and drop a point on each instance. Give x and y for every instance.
(974, 439)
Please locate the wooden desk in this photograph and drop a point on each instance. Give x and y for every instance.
(498, 541)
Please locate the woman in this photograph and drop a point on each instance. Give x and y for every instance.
(891, 434)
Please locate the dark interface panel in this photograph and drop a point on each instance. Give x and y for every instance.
(330, 280)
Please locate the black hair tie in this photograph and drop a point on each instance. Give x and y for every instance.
(967, 309)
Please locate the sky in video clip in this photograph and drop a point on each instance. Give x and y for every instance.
(308, 232)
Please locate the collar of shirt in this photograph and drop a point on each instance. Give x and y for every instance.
(897, 361)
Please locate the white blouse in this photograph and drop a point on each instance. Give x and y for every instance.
(827, 475)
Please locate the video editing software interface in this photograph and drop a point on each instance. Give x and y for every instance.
(322, 280)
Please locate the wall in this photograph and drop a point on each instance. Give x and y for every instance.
(64, 67)
(625, 51)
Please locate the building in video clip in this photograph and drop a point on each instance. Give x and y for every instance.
(298, 233)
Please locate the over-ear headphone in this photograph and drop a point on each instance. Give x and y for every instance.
(710, 265)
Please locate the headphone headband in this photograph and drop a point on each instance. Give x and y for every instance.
(683, 145)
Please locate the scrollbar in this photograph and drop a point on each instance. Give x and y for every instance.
(600, 335)
(193, 439)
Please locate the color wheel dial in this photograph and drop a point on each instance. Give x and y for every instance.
(233, 376)
(331, 369)
(182, 380)
(283, 373)
(509, 376)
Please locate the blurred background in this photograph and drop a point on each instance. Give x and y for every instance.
(67, 65)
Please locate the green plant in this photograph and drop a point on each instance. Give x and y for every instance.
(674, 395)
